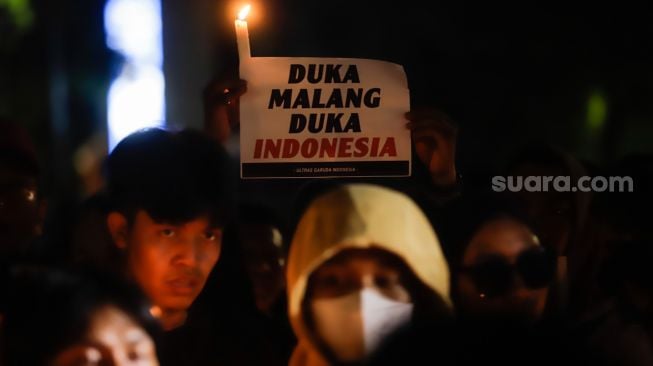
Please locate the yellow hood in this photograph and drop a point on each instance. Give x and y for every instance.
(359, 216)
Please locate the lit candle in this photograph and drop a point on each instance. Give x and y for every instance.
(242, 35)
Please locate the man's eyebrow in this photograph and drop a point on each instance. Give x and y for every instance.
(169, 224)
(166, 223)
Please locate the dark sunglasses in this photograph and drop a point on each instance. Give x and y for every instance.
(495, 276)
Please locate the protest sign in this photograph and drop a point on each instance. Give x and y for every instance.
(323, 117)
(305, 117)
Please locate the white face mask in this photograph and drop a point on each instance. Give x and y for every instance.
(353, 326)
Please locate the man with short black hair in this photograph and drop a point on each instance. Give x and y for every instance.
(170, 199)
(168, 211)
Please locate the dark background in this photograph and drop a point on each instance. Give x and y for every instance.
(580, 77)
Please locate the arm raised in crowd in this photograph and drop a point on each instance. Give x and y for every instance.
(222, 106)
(434, 139)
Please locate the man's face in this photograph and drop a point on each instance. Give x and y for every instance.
(171, 263)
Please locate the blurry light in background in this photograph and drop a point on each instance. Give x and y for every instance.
(136, 97)
(19, 11)
(597, 112)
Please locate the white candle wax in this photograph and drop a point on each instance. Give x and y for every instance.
(242, 37)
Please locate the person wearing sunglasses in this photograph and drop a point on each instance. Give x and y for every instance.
(505, 272)
(502, 272)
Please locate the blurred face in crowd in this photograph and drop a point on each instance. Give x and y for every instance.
(221, 107)
(21, 211)
(434, 139)
(505, 273)
(170, 262)
(264, 260)
(356, 299)
(552, 212)
(112, 338)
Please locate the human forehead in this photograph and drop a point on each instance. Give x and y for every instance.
(110, 326)
(203, 222)
(506, 237)
(362, 258)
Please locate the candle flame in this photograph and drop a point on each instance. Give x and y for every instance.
(244, 11)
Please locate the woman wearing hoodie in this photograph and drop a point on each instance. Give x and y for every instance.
(364, 262)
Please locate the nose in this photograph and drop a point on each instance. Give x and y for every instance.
(367, 282)
(519, 291)
(187, 252)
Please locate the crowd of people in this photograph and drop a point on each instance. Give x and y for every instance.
(176, 261)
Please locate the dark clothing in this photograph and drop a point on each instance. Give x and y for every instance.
(614, 336)
(220, 340)
(278, 330)
(474, 344)
(223, 327)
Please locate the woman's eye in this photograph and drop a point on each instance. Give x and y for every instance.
(383, 281)
(168, 233)
(133, 355)
(387, 280)
(331, 281)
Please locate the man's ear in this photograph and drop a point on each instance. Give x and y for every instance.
(117, 224)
